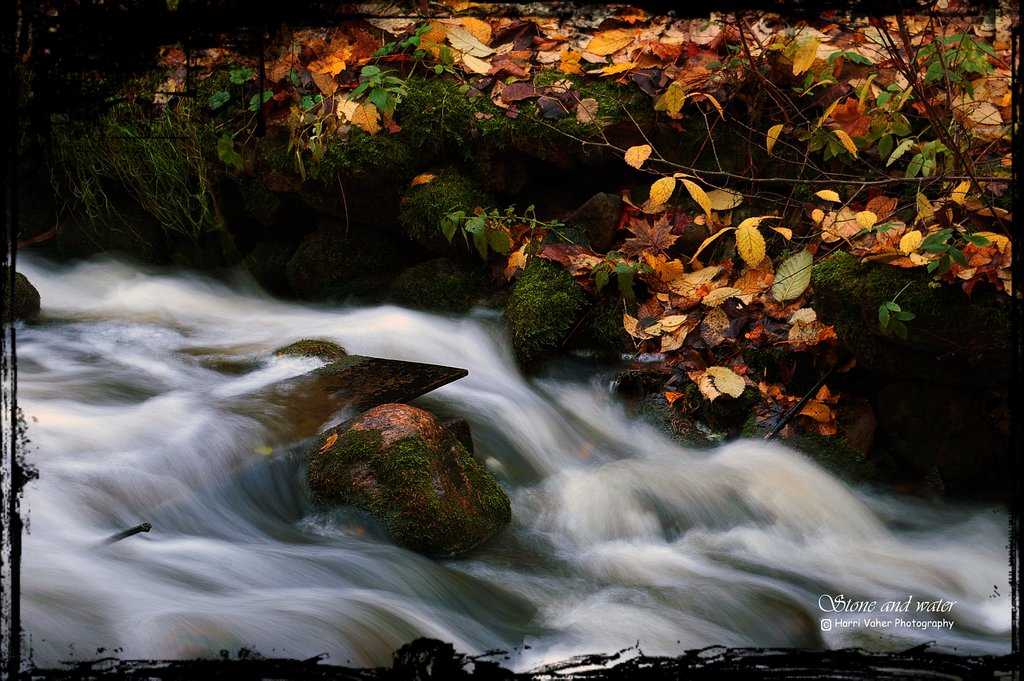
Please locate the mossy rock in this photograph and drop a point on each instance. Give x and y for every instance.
(724, 417)
(544, 307)
(425, 205)
(601, 333)
(442, 285)
(401, 465)
(327, 268)
(309, 347)
(25, 301)
(267, 262)
(954, 339)
(437, 119)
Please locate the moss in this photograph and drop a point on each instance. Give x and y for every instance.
(326, 268)
(427, 204)
(363, 157)
(436, 118)
(943, 343)
(403, 493)
(764, 363)
(602, 331)
(308, 347)
(543, 309)
(441, 284)
(834, 455)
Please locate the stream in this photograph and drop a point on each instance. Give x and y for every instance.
(141, 393)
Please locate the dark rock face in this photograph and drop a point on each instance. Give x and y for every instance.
(24, 301)
(403, 466)
(599, 217)
(939, 391)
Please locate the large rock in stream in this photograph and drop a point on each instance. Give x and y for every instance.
(407, 469)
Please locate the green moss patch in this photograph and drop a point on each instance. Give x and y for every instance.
(307, 347)
(543, 309)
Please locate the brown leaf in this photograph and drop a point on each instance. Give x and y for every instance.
(329, 443)
(654, 238)
(849, 115)
(715, 328)
(672, 396)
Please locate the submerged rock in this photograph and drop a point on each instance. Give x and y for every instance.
(313, 347)
(400, 464)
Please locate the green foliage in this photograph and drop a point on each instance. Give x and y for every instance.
(891, 317)
(957, 59)
(543, 309)
(491, 230)
(158, 161)
(624, 271)
(437, 118)
(381, 88)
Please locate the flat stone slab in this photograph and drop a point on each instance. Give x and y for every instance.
(359, 383)
(366, 382)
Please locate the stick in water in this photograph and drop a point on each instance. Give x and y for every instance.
(124, 534)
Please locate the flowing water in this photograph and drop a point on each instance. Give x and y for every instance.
(142, 396)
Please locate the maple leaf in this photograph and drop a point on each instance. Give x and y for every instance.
(849, 115)
(656, 238)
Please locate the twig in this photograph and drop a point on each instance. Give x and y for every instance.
(124, 534)
(799, 405)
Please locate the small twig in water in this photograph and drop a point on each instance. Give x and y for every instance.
(124, 534)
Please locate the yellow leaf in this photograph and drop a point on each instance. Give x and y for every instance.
(828, 112)
(367, 118)
(924, 207)
(480, 29)
(709, 240)
(422, 178)
(959, 195)
(846, 140)
(570, 63)
(699, 196)
(817, 215)
(615, 68)
(805, 54)
(672, 396)
(607, 42)
(866, 219)
(475, 64)
(828, 195)
(632, 326)
(818, 411)
(725, 381)
(754, 222)
(750, 244)
(635, 156)
(662, 190)
(720, 295)
(466, 43)
(672, 99)
(784, 231)
(1000, 240)
(714, 102)
(724, 199)
(264, 450)
(330, 443)
(672, 322)
(773, 136)
(910, 242)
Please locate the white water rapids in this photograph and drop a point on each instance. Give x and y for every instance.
(138, 388)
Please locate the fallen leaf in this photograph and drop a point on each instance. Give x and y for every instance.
(959, 194)
(724, 199)
(818, 411)
(750, 244)
(586, 110)
(671, 101)
(570, 63)
(422, 178)
(367, 118)
(715, 327)
(672, 396)
(793, 276)
(329, 443)
(635, 156)
(719, 296)
(475, 64)
(466, 43)
(805, 54)
(654, 238)
(828, 195)
(845, 140)
(910, 242)
(866, 219)
(607, 42)
(698, 195)
(718, 381)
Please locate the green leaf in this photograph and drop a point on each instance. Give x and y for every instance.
(883, 317)
(383, 100)
(904, 316)
(977, 240)
(241, 76)
(601, 273)
(915, 165)
(885, 146)
(935, 72)
(624, 278)
(900, 125)
(500, 242)
(900, 330)
(793, 276)
(296, 81)
(226, 152)
(450, 223)
(958, 257)
(255, 102)
(902, 148)
(219, 99)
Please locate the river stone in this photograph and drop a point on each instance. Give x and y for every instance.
(599, 216)
(25, 298)
(400, 464)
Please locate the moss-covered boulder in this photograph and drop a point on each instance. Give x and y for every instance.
(425, 205)
(24, 298)
(441, 284)
(400, 464)
(329, 267)
(953, 340)
(544, 307)
(308, 347)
